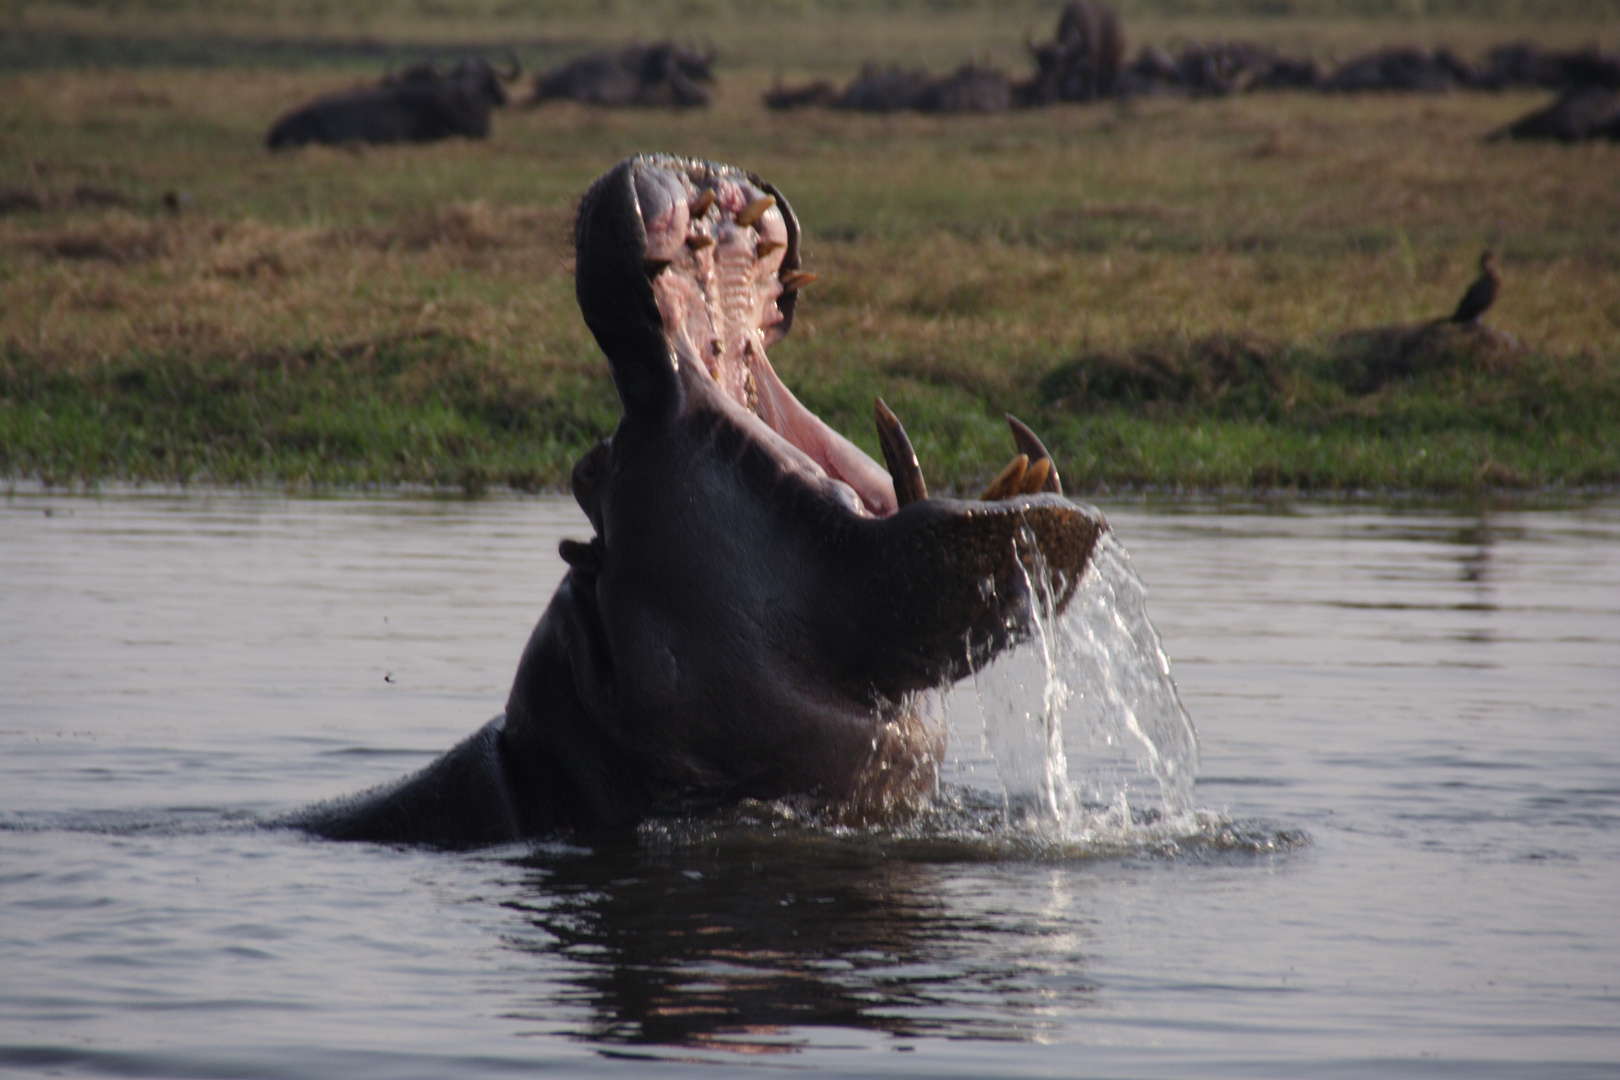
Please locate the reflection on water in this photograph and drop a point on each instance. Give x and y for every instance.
(1428, 696)
(747, 931)
(720, 950)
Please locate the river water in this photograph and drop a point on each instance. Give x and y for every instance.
(1401, 856)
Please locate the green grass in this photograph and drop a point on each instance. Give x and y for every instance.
(425, 411)
(1162, 290)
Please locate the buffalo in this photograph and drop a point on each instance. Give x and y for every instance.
(820, 92)
(423, 103)
(1521, 64)
(1083, 62)
(1404, 69)
(1580, 113)
(1215, 69)
(662, 74)
(971, 88)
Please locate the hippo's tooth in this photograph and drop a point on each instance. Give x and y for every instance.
(1029, 444)
(750, 214)
(699, 241)
(899, 456)
(1034, 477)
(656, 267)
(765, 247)
(701, 204)
(1006, 482)
(796, 279)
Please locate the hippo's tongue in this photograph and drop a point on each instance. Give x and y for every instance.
(715, 248)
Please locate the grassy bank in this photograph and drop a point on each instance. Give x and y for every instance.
(1163, 290)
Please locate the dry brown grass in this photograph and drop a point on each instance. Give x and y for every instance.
(119, 286)
(1291, 215)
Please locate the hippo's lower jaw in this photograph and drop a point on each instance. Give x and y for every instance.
(763, 607)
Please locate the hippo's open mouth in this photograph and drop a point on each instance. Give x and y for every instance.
(723, 254)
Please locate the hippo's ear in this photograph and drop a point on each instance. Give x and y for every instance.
(615, 294)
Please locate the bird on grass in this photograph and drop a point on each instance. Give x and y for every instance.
(1481, 294)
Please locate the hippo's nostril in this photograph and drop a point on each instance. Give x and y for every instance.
(750, 214)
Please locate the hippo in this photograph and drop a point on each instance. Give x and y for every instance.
(763, 611)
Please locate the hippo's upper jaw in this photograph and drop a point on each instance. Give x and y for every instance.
(766, 600)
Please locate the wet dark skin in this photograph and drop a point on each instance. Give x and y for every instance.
(761, 606)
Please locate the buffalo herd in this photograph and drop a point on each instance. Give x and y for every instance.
(426, 102)
(1087, 61)
(1084, 61)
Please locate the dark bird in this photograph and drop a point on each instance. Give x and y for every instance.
(1481, 294)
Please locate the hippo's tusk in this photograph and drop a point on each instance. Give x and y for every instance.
(750, 214)
(796, 279)
(699, 241)
(1006, 482)
(1030, 444)
(765, 247)
(899, 456)
(1035, 477)
(700, 205)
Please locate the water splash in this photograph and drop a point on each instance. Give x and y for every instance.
(1072, 745)
(1081, 724)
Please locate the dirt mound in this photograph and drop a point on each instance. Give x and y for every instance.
(1365, 361)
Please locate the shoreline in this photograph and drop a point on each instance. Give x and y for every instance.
(1264, 500)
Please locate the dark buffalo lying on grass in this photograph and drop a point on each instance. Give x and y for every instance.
(1522, 64)
(1215, 69)
(970, 88)
(820, 92)
(421, 104)
(1579, 114)
(1218, 68)
(660, 75)
(1406, 69)
(884, 89)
